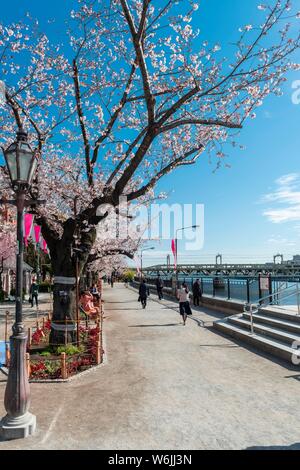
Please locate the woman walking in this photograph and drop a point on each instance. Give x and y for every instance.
(184, 303)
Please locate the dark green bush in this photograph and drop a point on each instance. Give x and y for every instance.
(45, 287)
(3, 295)
(12, 292)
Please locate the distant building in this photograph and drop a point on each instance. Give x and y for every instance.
(8, 276)
(294, 261)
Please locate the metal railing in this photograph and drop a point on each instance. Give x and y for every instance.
(273, 299)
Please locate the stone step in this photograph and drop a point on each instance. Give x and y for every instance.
(271, 332)
(276, 312)
(261, 342)
(285, 325)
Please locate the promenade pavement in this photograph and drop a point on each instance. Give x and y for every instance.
(30, 315)
(166, 386)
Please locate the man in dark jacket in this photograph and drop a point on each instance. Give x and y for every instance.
(34, 293)
(159, 287)
(197, 293)
(143, 293)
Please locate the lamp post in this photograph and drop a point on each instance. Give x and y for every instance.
(38, 258)
(76, 250)
(168, 263)
(21, 162)
(176, 248)
(142, 250)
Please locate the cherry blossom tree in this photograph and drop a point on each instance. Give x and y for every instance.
(135, 94)
(111, 248)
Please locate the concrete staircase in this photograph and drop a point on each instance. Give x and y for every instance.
(275, 331)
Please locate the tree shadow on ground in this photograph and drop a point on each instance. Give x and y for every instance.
(117, 309)
(203, 310)
(199, 322)
(219, 346)
(295, 446)
(296, 377)
(147, 326)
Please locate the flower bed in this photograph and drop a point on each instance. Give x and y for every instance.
(46, 362)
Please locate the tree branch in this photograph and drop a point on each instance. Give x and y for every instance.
(115, 115)
(137, 38)
(177, 162)
(89, 168)
(202, 122)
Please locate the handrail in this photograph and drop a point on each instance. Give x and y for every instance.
(254, 307)
(279, 291)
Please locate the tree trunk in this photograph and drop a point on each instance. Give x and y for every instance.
(63, 321)
(63, 260)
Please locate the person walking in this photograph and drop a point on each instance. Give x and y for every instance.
(143, 293)
(112, 281)
(34, 294)
(184, 303)
(197, 292)
(159, 287)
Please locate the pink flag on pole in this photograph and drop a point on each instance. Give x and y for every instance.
(37, 233)
(137, 265)
(28, 221)
(44, 246)
(173, 246)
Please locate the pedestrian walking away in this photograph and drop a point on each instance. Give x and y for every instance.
(184, 303)
(197, 292)
(159, 287)
(34, 293)
(144, 292)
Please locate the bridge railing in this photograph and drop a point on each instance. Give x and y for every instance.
(226, 288)
(244, 289)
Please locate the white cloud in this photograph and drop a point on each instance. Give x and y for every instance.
(279, 240)
(286, 198)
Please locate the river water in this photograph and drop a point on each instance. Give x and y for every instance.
(238, 288)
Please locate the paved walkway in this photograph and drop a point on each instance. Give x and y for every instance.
(30, 315)
(166, 386)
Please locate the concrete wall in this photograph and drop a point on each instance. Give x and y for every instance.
(228, 307)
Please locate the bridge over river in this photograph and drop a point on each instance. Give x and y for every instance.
(245, 282)
(283, 271)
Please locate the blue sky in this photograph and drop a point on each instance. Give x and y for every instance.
(241, 203)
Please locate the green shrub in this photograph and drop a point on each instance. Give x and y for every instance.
(45, 353)
(3, 295)
(69, 349)
(13, 292)
(128, 275)
(45, 287)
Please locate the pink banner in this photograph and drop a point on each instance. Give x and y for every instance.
(173, 246)
(137, 265)
(37, 233)
(44, 246)
(28, 221)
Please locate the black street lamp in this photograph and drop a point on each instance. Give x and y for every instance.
(21, 162)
